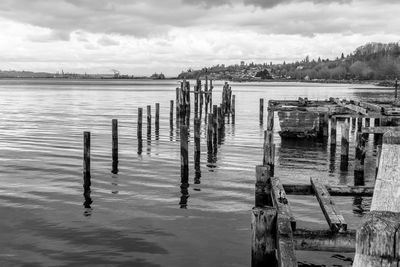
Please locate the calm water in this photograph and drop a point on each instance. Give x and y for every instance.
(136, 217)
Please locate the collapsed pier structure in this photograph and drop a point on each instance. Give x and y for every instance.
(275, 236)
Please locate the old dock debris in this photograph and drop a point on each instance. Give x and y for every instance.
(275, 237)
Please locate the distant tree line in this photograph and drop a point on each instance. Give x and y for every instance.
(373, 61)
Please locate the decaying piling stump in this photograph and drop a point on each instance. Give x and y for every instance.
(378, 240)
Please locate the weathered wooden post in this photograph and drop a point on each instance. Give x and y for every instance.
(148, 117)
(210, 90)
(333, 131)
(210, 133)
(86, 169)
(157, 121)
(263, 186)
(215, 129)
(197, 145)
(377, 241)
(263, 232)
(378, 156)
(360, 158)
(233, 109)
(139, 130)
(269, 157)
(359, 124)
(377, 122)
(396, 85)
(367, 122)
(184, 154)
(344, 157)
(171, 113)
(196, 99)
(261, 111)
(114, 146)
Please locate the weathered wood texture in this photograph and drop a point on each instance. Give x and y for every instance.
(114, 146)
(379, 130)
(333, 131)
(281, 202)
(184, 154)
(86, 160)
(324, 240)
(285, 244)
(263, 227)
(377, 242)
(269, 155)
(261, 111)
(263, 187)
(334, 190)
(335, 220)
(360, 158)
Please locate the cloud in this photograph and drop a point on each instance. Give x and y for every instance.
(107, 41)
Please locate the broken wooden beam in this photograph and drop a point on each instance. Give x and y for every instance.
(324, 240)
(334, 219)
(334, 190)
(379, 129)
(280, 201)
(285, 244)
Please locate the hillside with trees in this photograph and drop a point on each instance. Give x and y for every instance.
(373, 61)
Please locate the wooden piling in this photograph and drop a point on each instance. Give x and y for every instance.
(268, 157)
(344, 157)
(171, 113)
(139, 130)
(215, 129)
(197, 145)
(233, 109)
(359, 158)
(149, 116)
(196, 99)
(270, 118)
(184, 154)
(377, 241)
(263, 186)
(333, 131)
(86, 161)
(263, 228)
(261, 111)
(210, 133)
(353, 123)
(367, 122)
(359, 124)
(114, 146)
(157, 119)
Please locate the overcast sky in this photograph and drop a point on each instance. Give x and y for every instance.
(147, 36)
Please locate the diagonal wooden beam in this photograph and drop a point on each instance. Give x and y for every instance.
(335, 220)
(280, 201)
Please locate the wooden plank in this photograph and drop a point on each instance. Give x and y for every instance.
(285, 244)
(334, 190)
(335, 220)
(380, 129)
(391, 111)
(387, 183)
(324, 240)
(280, 201)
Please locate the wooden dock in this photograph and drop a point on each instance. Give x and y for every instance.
(377, 242)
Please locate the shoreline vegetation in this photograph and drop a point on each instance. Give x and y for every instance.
(373, 63)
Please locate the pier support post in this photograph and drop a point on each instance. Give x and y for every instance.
(171, 113)
(263, 232)
(139, 130)
(86, 169)
(114, 146)
(333, 131)
(261, 111)
(367, 122)
(344, 156)
(184, 154)
(263, 186)
(210, 134)
(359, 124)
(360, 158)
(377, 241)
(233, 109)
(197, 146)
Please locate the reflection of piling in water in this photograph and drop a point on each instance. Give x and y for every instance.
(139, 130)
(86, 170)
(184, 195)
(114, 146)
(148, 129)
(171, 114)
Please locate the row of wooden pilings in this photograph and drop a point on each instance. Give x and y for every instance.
(214, 116)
